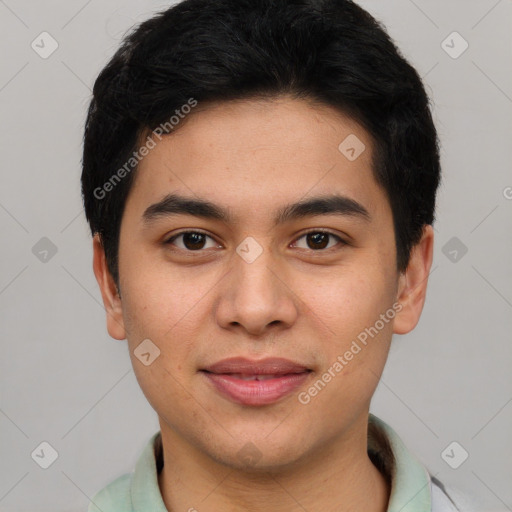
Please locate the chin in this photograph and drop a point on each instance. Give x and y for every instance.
(260, 456)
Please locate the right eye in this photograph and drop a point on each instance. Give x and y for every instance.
(191, 241)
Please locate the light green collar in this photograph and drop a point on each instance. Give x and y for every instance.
(410, 482)
(144, 489)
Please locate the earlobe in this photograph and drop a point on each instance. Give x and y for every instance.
(109, 292)
(412, 287)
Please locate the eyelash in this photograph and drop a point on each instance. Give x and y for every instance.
(340, 240)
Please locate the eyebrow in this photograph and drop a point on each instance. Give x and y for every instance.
(333, 204)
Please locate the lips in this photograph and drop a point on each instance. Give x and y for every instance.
(255, 377)
(250, 382)
(268, 366)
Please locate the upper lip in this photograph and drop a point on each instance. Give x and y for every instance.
(268, 366)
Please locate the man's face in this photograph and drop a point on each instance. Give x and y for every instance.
(216, 294)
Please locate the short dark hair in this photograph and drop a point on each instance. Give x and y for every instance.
(329, 51)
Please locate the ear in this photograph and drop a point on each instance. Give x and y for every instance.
(109, 292)
(412, 284)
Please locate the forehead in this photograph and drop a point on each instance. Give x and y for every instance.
(257, 155)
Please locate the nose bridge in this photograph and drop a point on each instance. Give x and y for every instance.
(254, 279)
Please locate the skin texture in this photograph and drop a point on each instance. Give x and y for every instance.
(306, 304)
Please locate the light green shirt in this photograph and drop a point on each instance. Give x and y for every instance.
(411, 487)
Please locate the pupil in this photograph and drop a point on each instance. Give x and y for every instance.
(318, 239)
(193, 240)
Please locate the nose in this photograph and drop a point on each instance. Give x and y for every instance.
(256, 297)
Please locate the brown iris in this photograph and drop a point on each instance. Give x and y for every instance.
(319, 240)
(193, 241)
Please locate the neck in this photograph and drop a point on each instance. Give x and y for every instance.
(338, 477)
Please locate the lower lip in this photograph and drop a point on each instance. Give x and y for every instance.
(256, 392)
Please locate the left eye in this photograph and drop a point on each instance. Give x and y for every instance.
(192, 240)
(318, 240)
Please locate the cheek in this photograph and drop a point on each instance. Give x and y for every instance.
(163, 316)
(355, 344)
(349, 302)
(169, 309)
(158, 299)
(153, 311)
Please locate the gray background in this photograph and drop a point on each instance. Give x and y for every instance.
(64, 381)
